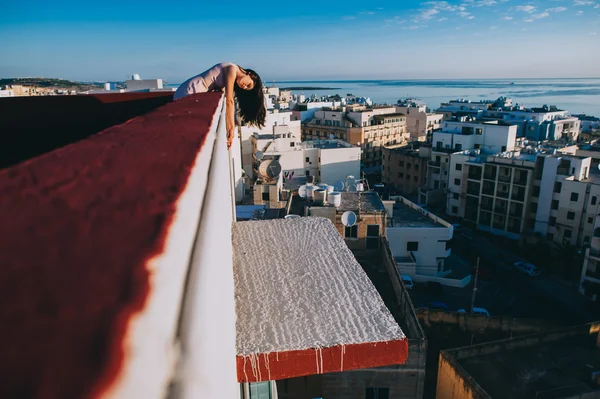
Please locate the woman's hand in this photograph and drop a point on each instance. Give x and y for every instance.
(230, 126)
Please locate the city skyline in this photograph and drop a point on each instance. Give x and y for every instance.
(415, 40)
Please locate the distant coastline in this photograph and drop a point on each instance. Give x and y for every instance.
(309, 88)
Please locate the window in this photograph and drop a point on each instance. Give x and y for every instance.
(292, 144)
(459, 166)
(265, 196)
(534, 207)
(436, 184)
(570, 215)
(455, 196)
(479, 131)
(457, 182)
(477, 146)
(439, 145)
(407, 177)
(400, 174)
(416, 178)
(416, 166)
(567, 233)
(557, 187)
(307, 159)
(503, 148)
(454, 209)
(307, 173)
(372, 236)
(412, 246)
(590, 220)
(438, 159)
(257, 390)
(457, 147)
(552, 221)
(408, 165)
(574, 197)
(401, 163)
(554, 204)
(377, 393)
(594, 198)
(351, 232)
(536, 191)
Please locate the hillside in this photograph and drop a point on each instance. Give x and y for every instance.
(49, 83)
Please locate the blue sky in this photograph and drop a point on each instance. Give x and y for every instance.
(378, 39)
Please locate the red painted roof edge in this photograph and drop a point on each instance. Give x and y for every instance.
(298, 363)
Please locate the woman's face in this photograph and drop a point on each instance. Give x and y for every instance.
(246, 82)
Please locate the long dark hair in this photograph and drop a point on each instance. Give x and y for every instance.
(251, 102)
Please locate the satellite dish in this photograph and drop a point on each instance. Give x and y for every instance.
(270, 168)
(331, 136)
(259, 155)
(349, 177)
(599, 166)
(349, 218)
(302, 191)
(338, 186)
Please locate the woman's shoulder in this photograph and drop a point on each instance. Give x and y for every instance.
(224, 65)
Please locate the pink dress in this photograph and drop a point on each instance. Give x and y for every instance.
(210, 80)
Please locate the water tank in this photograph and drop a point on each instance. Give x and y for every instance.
(335, 198)
(330, 189)
(269, 169)
(310, 192)
(107, 86)
(319, 196)
(323, 186)
(360, 187)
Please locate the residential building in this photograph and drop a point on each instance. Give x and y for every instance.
(328, 161)
(589, 283)
(371, 218)
(305, 109)
(463, 107)
(556, 364)
(405, 167)
(172, 261)
(7, 93)
(137, 84)
(276, 124)
(420, 124)
(420, 243)
(457, 136)
(589, 124)
(370, 127)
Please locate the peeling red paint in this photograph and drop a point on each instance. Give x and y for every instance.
(298, 363)
(78, 226)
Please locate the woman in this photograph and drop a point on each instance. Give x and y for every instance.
(245, 84)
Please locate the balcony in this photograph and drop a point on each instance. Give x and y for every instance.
(134, 256)
(434, 164)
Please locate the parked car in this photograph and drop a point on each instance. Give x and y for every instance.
(408, 282)
(527, 268)
(476, 311)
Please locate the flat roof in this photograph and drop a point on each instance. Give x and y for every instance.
(364, 202)
(556, 369)
(405, 216)
(304, 304)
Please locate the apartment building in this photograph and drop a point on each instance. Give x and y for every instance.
(457, 136)
(404, 167)
(589, 283)
(420, 124)
(370, 127)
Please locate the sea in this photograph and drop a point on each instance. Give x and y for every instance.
(578, 96)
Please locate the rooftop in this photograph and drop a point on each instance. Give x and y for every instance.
(408, 214)
(546, 368)
(363, 202)
(287, 324)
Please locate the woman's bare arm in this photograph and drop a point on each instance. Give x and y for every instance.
(231, 73)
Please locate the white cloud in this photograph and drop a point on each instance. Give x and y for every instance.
(415, 27)
(367, 13)
(428, 14)
(528, 9)
(583, 3)
(597, 5)
(593, 33)
(557, 9)
(528, 20)
(481, 3)
(579, 12)
(470, 17)
(507, 18)
(396, 20)
(540, 16)
(464, 14)
(493, 27)
(442, 19)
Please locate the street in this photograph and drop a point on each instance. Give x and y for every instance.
(504, 291)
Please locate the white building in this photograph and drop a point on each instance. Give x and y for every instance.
(420, 243)
(328, 161)
(137, 84)
(273, 127)
(7, 93)
(490, 136)
(419, 123)
(589, 283)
